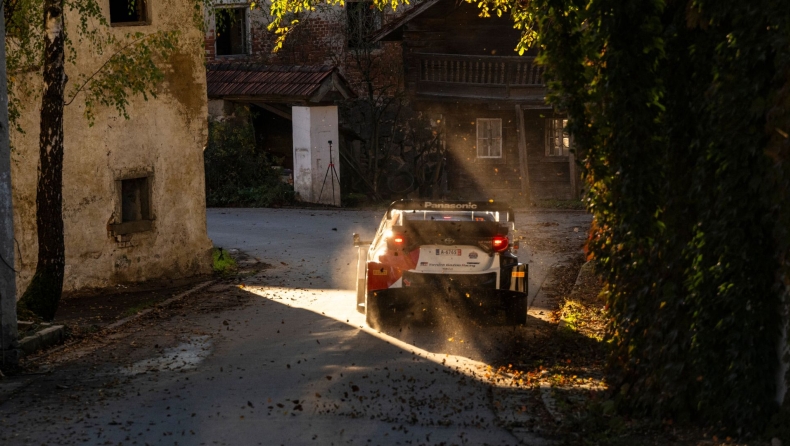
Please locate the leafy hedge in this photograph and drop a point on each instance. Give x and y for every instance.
(238, 173)
(681, 112)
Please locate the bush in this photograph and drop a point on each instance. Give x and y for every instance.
(222, 261)
(676, 108)
(238, 173)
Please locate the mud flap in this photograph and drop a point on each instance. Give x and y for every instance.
(515, 278)
(362, 260)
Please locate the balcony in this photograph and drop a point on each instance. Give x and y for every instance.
(454, 76)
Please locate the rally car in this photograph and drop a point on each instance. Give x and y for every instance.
(438, 259)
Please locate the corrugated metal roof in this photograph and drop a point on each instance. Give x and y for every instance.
(250, 79)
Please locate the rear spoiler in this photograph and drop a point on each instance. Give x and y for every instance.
(439, 205)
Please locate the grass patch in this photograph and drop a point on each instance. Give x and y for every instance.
(223, 263)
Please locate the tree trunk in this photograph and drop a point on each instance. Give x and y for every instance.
(43, 293)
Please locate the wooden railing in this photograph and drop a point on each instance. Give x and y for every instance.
(479, 70)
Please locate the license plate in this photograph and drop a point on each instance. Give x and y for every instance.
(448, 252)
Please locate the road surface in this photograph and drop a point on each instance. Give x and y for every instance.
(294, 364)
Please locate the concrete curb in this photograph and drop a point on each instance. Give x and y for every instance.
(117, 324)
(45, 338)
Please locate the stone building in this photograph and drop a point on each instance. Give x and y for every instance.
(133, 189)
(456, 70)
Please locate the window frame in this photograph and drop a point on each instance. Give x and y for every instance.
(478, 138)
(122, 227)
(551, 137)
(145, 11)
(247, 28)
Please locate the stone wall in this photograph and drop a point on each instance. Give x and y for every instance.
(163, 140)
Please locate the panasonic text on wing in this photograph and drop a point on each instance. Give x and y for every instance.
(430, 205)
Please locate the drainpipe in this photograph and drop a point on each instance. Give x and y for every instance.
(8, 326)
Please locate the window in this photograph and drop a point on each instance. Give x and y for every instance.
(128, 12)
(363, 18)
(489, 138)
(231, 31)
(134, 207)
(135, 200)
(558, 140)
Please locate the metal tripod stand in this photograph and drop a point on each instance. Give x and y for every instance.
(335, 176)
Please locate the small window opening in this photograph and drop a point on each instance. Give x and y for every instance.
(135, 200)
(127, 12)
(489, 138)
(558, 139)
(363, 18)
(231, 31)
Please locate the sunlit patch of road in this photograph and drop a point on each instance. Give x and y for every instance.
(338, 305)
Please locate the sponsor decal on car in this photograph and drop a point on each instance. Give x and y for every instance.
(472, 255)
(423, 263)
(430, 205)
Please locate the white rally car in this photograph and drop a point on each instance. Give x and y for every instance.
(434, 259)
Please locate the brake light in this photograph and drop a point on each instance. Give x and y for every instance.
(499, 243)
(396, 241)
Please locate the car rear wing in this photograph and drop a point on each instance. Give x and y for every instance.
(439, 205)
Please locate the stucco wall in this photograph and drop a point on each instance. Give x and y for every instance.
(164, 137)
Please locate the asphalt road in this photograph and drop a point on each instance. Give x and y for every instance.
(295, 365)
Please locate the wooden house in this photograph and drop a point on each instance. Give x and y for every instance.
(502, 140)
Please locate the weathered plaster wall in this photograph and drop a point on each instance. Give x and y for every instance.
(164, 137)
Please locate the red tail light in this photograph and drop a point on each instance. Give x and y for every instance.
(499, 243)
(396, 241)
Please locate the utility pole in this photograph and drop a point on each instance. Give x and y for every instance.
(8, 326)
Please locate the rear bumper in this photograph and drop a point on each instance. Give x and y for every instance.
(429, 304)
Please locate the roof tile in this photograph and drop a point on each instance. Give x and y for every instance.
(252, 79)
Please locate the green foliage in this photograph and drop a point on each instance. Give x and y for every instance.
(132, 63)
(669, 103)
(222, 261)
(134, 69)
(237, 173)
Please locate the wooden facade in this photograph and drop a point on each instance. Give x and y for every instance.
(463, 71)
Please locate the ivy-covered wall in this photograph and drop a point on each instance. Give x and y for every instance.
(681, 113)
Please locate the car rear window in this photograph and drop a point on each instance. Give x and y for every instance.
(449, 216)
